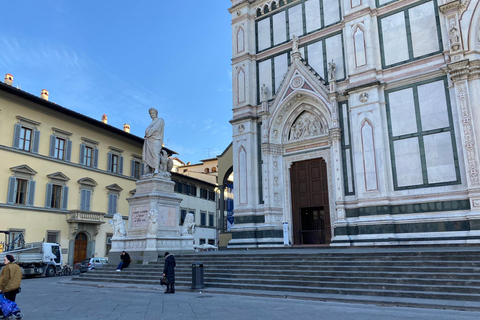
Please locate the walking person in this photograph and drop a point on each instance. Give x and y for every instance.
(125, 261)
(10, 279)
(169, 272)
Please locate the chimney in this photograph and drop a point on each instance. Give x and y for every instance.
(8, 79)
(104, 118)
(44, 94)
(126, 127)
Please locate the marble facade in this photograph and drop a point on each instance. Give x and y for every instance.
(393, 119)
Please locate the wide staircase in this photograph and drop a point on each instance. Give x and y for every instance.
(419, 273)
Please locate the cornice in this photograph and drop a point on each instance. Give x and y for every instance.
(244, 57)
(449, 7)
(243, 119)
(375, 83)
(236, 4)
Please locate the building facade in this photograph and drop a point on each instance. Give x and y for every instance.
(199, 198)
(355, 122)
(65, 174)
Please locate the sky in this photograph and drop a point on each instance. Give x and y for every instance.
(121, 58)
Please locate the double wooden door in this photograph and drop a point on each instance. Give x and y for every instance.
(80, 251)
(310, 205)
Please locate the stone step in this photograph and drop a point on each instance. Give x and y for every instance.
(411, 273)
(473, 264)
(307, 280)
(447, 275)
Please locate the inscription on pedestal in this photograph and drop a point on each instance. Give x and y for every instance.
(139, 218)
(167, 216)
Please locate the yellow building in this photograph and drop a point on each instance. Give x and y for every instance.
(63, 174)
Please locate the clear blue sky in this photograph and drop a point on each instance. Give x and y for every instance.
(123, 57)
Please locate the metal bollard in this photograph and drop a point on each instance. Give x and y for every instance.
(197, 275)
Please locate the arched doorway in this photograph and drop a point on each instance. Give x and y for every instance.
(310, 202)
(80, 251)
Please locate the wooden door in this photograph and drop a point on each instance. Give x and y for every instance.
(80, 251)
(310, 205)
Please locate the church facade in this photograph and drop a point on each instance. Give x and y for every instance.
(355, 122)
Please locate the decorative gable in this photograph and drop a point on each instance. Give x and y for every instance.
(114, 187)
(87, 182)
(24, 169)
(58, 176)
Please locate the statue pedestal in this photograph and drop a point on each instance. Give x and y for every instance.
(154, 218)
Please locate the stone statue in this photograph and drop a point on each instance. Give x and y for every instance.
(331, 71)
(152, 222)
(118, 226)
(295, 44)
(188, 225)
(454, 38)
(264, 93)
(152, 144)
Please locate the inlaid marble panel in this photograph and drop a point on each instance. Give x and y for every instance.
(281, 67)
(312, 15)
(263, 34)
(315, 57)
(242, 179)
(394, 38)
(295, 21)
(241, 85)
(369, 162)
(335, 52)
(265, 75)
(433, 105)
(439, 157)
(407, 162)
(359, 40)
(423, 27)
(402, 112)
(279, 28)
(331, 11)
(349, 170)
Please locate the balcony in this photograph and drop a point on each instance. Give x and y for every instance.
(92, 217)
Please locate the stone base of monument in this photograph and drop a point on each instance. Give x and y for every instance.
(153, 225)
(149, 249)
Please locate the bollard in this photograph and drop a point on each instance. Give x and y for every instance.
(197, 275)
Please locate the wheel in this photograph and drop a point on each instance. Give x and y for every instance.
(50, 272)
(67, 271)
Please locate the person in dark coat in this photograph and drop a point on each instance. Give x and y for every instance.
(125, 261)
(169, 272)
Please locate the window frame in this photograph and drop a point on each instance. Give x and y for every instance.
(421, 134)
(89, 146)
(21, 192)
(411, 58)
(115, 161)
(203, 218)
(55, 234)
(57, 182)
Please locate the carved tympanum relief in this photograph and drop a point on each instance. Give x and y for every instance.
(306, 125)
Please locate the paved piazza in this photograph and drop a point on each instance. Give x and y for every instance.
(47, 299)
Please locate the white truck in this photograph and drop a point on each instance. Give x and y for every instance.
(37, 258)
